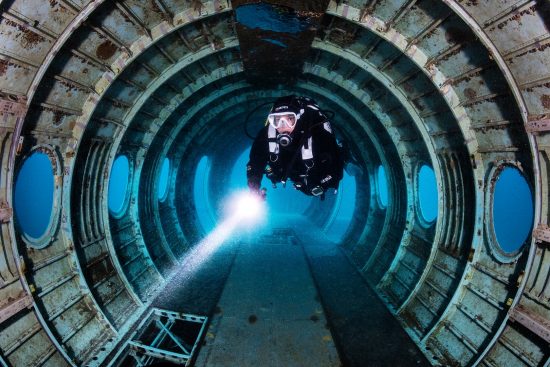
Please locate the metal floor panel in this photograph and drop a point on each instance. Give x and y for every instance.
(278, 299)
(365, 331)
(270, 311)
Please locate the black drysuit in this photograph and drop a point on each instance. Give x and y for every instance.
(311, 160)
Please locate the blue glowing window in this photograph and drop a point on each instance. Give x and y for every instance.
(118, 184)
(427, 193)
(382, 187)
(163, 179)
(34, 192)
(512, 210)
(201, 195)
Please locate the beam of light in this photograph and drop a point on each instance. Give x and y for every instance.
(243, 210)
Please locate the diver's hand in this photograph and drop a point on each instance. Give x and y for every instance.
(254, 188)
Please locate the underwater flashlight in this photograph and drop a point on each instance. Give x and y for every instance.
(247, 207)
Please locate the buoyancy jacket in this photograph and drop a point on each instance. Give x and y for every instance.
(311, 161)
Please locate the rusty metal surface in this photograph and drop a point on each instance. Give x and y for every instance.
(475, 73)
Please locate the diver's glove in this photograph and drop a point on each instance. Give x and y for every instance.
(253, 184)
(254, 187)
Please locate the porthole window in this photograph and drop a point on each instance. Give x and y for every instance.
(205, 214)
(163, 179)
(382, 187)
(427, 194)
(512, 210)
(34, 196)
(118, 185)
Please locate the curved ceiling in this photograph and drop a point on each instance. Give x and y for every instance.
(460, 86)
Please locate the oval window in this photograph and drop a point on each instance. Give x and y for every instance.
(163, 179)
(427, 194)
(382, 187)
(205, 213)
(118, 184)
(512, 210)
(34, 193)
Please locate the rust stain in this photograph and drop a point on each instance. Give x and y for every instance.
(155, 8)
(29, 38)
(545, 99)
(57, 117)
(106, 50)
(517, 17)
(470, 93)
(3, 67)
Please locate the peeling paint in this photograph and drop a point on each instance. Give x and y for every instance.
(545, 100)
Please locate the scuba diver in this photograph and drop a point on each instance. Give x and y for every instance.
(297, 143)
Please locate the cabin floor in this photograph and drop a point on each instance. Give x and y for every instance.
(287, 297)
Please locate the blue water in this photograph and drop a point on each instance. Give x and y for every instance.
(512, 209)
(270, 18)
(33, 198)
(34, 186)
(427, 193)
(382, 186)
(163, 179)
(118, 184)
(347, 191)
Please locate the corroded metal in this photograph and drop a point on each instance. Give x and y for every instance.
(474, 75)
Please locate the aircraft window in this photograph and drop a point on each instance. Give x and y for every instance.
(201, 195)
(118, 185)
(382, 187)
(512, 210)
(163, 180)
(427, 194)
(34, 196)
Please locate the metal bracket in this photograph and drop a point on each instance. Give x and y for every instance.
(533, 322)
(5, 215)
(165, 336)
(537, 126)
(17, 108)
(14, 307)
(542, 233)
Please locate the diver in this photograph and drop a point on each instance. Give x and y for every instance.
(296, 144)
